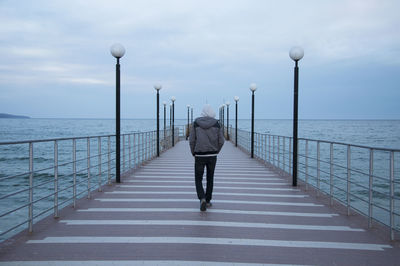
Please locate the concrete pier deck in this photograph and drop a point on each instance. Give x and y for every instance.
(153, 218)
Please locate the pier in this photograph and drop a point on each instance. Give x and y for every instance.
(152, 218)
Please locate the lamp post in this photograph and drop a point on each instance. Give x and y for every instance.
(236, 118)
(157, 87)
(188, 130)
(253, 88)
(223, 119)
(296, 53)
(173, 99)
(191, 115)
(170, 115)
(118, 51)
(227, 120)
(165, 118)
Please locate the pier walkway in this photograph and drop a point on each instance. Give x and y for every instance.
(153, 218)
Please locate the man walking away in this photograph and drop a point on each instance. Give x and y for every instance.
(206, 140)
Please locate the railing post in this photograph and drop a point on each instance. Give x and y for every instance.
(109, 161)
(265, 148)
(123, 153)
(279, 153)
(74, 172)
(134, 150)
(88, 168)
(283, 153)
(371, 181)
(141, 148)
(290, 156)
(130, 151)
(306, 164)
(318, 168)
(273, 150)
(348, 178)
(331, 173)
(99, 160)
(30, 213)
(147, 146)
(55, 179)
(391, 195)
(269, 148)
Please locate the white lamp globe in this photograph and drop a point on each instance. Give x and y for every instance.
(188, 106)
(157, 86)
(236, 98)
(117, 50)
(173, 99)
(296, 53)
(227, 103)
(164, 103)
(253, 87)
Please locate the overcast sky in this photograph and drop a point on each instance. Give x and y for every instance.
(56, 61)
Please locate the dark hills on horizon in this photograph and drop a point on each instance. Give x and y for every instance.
(3, 115)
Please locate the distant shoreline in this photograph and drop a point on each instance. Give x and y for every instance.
(2, 115)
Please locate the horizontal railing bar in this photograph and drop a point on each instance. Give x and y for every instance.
(43, 183)
(53, 139)
(12, 228)
(45, 197)
(14, 210)
(14, 176)
(43, 212)
(14, 193)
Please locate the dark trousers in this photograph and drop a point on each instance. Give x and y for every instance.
(199, 164)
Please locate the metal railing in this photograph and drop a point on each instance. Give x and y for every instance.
(362, 178)
(42, 176)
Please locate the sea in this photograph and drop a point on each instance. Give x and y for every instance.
(374, 133)
(14, 158)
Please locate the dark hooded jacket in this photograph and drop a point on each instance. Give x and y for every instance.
(206, 136)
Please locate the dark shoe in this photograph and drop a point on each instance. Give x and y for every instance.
(209, 204)
(203, 205)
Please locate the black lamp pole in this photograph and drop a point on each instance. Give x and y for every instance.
(227, 121)
(295, 121)
(253, 88)
(188, 129)
(191, 115)
(173, 121)
(157, 87)
(118, 51)
(236, 119)
(296, 53)
(165, 117)
(252, 125)
(118, 124)
(223, 118)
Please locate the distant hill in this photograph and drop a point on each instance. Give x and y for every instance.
(13, 116)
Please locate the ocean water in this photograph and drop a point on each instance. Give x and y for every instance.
(374, 133)
(14, 159)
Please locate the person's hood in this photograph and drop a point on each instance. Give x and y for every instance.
(206, 122)
(208, 111)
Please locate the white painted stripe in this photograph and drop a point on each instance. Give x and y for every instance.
(212, 223)
(215, 182)
(210, 241)
(233, 167)
(191, 177)
(215, 193)
(219, 187)
(216, 201)
(132, 263)
(221, 172)
(211, 210)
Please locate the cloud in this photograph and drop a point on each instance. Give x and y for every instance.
(193, 47)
